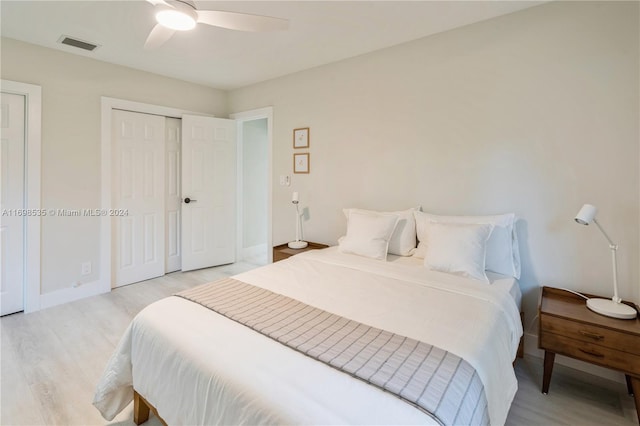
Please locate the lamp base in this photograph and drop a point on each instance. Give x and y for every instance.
(297, 245)
(609, 308)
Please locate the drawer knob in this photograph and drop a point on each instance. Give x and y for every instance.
(596, 354)
(590, 335)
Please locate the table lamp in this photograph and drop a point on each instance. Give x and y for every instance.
(608, 307)
(297, 244)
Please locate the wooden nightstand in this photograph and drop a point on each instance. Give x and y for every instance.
(569, 328)
(283, 251)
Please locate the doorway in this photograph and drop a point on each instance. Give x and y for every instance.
(254, 191)
(254, 185)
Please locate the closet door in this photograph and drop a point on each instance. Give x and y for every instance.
(12, 202)
(173, 201)
(208, 192)
(139, 191)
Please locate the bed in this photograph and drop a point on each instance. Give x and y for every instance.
(196, 366)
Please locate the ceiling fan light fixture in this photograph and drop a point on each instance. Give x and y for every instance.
(176, 20)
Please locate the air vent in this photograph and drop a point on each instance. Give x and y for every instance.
(84, 45)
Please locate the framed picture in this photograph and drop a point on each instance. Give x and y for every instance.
(301, 138)
(301, 163)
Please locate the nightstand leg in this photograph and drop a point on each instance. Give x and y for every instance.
(549, 357)
(635, 387)
(629, 385)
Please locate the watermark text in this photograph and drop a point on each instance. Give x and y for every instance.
(64, 212)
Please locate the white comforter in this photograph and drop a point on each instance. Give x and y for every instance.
(197, 367)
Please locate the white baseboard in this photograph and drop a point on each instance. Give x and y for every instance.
(70, 294)
(531, 348)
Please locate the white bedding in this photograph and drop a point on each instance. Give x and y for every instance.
(197, 367)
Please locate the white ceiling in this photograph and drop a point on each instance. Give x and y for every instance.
(319, 32)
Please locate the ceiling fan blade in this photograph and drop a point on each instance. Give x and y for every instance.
(159, 3)
(158, 35)
(241, 21)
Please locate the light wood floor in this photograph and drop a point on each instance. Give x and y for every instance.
(52, 359)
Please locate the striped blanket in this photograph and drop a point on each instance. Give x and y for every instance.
(433, 380)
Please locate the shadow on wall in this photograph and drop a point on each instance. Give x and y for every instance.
(529, 281)
(305, 216)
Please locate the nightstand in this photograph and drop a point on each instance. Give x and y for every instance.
(569, 328)
(283, 251)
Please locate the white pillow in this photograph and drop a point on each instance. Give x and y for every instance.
(368, 234)
(503, 255)
(403, 240)
(458, 248)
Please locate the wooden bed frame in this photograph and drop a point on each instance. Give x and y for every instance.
(520, 353)
(142, 407)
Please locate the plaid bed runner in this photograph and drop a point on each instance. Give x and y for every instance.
(433, 380)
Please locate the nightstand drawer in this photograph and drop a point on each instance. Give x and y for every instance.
(591, 334)
(591, 352)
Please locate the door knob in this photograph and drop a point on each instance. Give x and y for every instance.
(189, 200)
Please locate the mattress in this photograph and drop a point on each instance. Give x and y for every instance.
(197, 367)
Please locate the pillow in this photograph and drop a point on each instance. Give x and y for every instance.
(503, 255)
(403, 240)
(368, 234)
(458, 248)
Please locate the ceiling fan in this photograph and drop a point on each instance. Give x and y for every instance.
(182, 15)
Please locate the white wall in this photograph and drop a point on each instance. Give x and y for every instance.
(255, 159)
(536, 112)
(71, 89)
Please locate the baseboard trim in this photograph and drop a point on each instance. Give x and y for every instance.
(71, 294)
(531, 348)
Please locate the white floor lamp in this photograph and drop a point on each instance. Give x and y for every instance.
(608, 307)
(297, 244)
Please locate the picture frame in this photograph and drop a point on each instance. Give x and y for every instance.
(301, 138)
(301, 163)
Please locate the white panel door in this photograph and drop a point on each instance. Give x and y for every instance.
(173, 201)
(138, 188)
(208, 191)
(12, 137)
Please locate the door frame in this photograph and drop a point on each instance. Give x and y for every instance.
(107, 105)
(33, 146)
(241, 117)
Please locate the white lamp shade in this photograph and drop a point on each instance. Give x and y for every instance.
(295, 197)
(586, 214)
